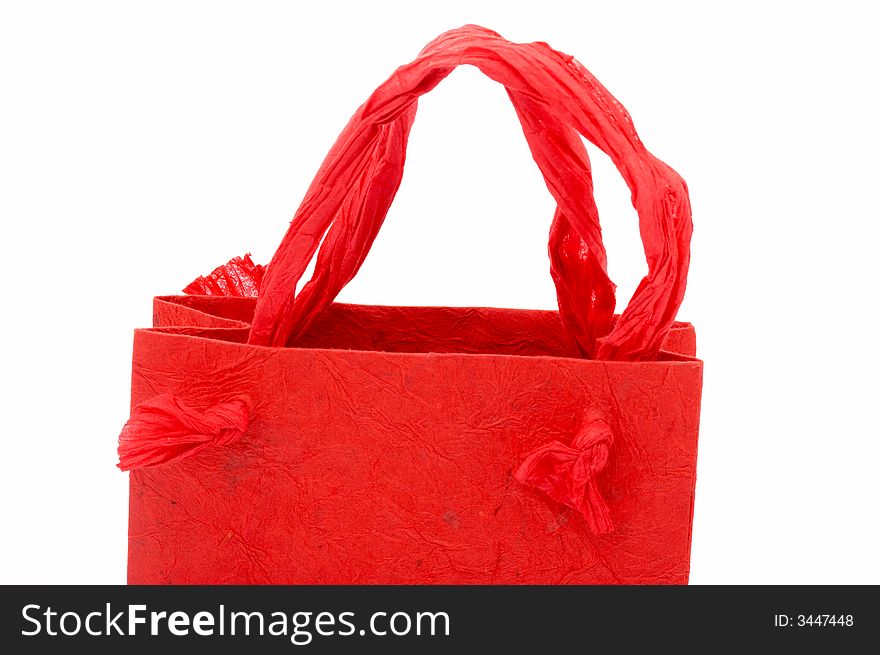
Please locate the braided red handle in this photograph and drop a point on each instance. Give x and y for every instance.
(586, 305)
(552, 94)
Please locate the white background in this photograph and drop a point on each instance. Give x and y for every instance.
(143, 144)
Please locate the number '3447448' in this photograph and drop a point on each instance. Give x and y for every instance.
(813, 620)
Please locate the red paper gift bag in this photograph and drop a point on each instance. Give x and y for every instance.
(279, 437)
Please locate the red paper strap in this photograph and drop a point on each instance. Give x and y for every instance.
(578, 264)
(360, 175)
(164, 429)
(567, 474)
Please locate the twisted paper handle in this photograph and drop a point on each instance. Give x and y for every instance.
(554, 94)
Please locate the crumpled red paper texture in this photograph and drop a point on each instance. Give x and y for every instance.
(237, 277)
(382, 449)
(555, 98)
(427, 445)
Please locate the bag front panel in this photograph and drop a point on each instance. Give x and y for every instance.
(367, 467)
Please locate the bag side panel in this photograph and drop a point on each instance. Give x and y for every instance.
(171, 312)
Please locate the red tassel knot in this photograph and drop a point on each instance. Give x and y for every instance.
(164, 429)
(567, 474)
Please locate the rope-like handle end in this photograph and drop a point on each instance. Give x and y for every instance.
(165, 429)
(567, 474)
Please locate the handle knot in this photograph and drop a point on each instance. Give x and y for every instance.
(165, 429)
(567, 473)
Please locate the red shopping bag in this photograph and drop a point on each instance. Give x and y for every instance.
(279, 437)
